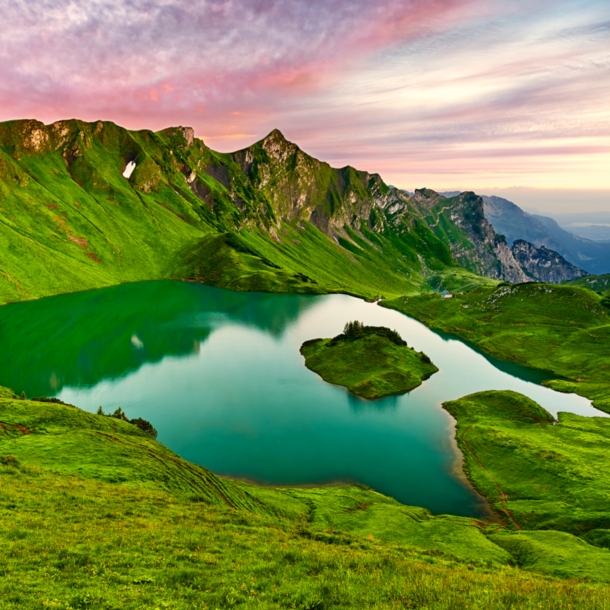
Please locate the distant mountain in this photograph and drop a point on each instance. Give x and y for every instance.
(86, 205)
(544, 264)
(514, 223)
(460, 221)
(590, 225)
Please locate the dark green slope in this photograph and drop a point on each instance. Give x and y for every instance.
(269, 217)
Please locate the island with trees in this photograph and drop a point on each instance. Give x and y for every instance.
(370, 361)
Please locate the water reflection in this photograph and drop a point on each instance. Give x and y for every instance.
(84, 338)
(359, 405)
(219, 374)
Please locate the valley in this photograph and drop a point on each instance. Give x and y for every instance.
(181, 291)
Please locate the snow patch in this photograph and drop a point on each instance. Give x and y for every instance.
(129, 169)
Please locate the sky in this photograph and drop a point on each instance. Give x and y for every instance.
(507, 98)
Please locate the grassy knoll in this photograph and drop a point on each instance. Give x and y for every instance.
(597, 283)
(370, 361)
(561, 329)
(94, 513)
(537, 473)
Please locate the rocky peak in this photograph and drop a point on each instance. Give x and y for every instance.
(35, 137)
(278, 147)
(275, 135)
(543, 264)
(426, 198)
(189, 135)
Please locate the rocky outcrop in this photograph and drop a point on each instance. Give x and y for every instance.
(543, 264)
(460, 220)
(510, 220)
(299, 187)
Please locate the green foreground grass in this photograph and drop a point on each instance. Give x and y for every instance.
(370, 366)
(94, 513)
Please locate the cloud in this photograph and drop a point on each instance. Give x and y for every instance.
(126, 57)
(449, 89)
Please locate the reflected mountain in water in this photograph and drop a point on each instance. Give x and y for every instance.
(83, 338)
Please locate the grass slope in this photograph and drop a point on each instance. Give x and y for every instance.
(370, 366)
(93, 513)
(597, 283)
(266, 218)
(537, 473)
(561, 329)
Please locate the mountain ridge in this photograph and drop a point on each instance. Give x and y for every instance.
(266, 217)
(510, 220)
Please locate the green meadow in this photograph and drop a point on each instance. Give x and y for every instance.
(96, 514)
(564, 330)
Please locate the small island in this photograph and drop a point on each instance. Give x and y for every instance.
(370, 361)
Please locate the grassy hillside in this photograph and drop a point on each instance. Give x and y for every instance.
(597, 283)
(539, 473)
(269, 217)
(561, 329)
(93, 513)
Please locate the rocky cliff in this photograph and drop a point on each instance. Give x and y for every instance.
(483, 250)
(511, 221)
(460, 221)
(543, 264)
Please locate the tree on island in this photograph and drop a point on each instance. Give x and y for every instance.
(356, 330)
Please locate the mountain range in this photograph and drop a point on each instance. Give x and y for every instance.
(514, 223)
(85, 205)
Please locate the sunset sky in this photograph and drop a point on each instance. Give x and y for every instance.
(501, 97)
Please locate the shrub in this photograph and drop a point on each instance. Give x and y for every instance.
(356, 330)
(120, 414)
(144, 425)
(56, 401)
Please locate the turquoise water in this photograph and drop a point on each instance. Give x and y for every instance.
(219, 374)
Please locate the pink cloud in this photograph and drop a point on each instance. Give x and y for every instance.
(402, 87)
(107, 57)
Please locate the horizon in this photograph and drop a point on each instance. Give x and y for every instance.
(455, 94)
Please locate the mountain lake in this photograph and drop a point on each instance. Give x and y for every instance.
(219, 375)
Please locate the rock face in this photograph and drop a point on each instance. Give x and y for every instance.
(299, 187)
(485, 251)
(543, 264)
(476, 246)
(511, 221)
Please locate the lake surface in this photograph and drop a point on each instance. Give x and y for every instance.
(219, 374)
